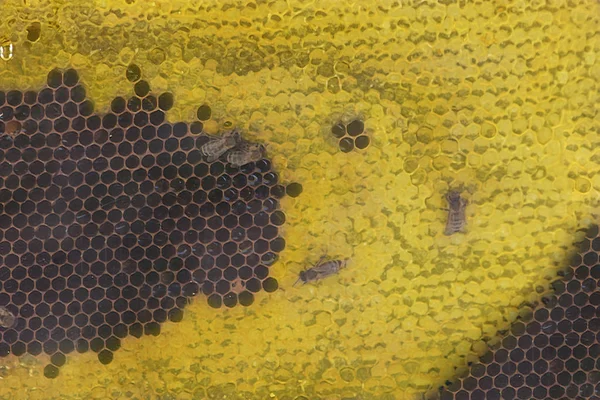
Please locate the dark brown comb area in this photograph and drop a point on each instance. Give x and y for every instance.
(554, 355)
(109, 224)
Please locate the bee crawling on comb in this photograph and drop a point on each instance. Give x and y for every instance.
(244, 153)
(322, 269)
(217, 146)
(457, 218)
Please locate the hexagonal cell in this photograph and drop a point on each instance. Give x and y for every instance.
(127, 217)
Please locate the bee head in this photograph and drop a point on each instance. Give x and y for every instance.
(260, 150)
(303, 276)
(453, 196)
(232, 137)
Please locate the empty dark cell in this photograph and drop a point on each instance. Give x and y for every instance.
(141, 88)
(571, 365)
(22, 112)
(29, 127)
(118, 105)
(50, 346)
(178, 158)
(262, 219)
(590, 258)
(277, 245)
(588, 285)
(261, 192)
(196, 127)
(105, 356)
(261, 271)
(541, 315)
(565, 326)
(133, 73)
(62, 95)
(362, 142)
(346, 145)
(215, 300)
(501, 381)
(556, 392)
(46, 96)
(14, 97)
(525, 342)
(573, 287)
(149, 103)
(572, 313)
(558, 287)
(293, 189)
(206, 210)
(253, 285)
(140, 119)
(254, 233)
(246, 298)
(247, 193)
(261, 246)
(171, 144)
(55, 78)
(86, 108)
(136, 330)
(230, 300)
(180, 129)
(203, 113)
(338, 130)
(165, 101)
(51, 371)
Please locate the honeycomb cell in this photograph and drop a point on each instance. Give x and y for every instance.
(338, 130)
(362, 142)
(51, 371)
(133, 73)
(110, 223)
(293, 189)
(346, 145)
(204, 112)
(355, 127)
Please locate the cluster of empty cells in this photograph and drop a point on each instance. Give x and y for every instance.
(552, 354)
(109, 224)
(351, 136)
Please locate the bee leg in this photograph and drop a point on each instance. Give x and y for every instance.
(323, 258)
(295, 283)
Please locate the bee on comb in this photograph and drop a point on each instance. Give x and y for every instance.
(457, 218)
(217, 146)
(244, 153)
(322, 269)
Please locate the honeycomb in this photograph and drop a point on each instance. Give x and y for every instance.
(553, 353)
(111, 223)
(497, 97)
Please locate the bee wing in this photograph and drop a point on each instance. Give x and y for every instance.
(323, 269)
(212, 157)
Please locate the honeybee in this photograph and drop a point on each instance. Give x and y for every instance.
(217, 146)
(245, 153)
(7, 319)
(457, 218)
(322, 269)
